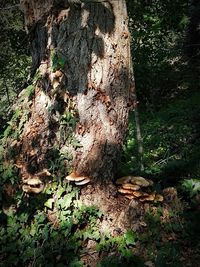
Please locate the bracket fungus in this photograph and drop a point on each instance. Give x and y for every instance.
(77, 178)
(33, 185)
(130, 186)
(137, 187)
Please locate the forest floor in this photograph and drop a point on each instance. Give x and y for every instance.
(123, 232)
(70, 226)
(165, 234)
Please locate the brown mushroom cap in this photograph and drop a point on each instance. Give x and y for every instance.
(125, 191)
(149, 197)
(58, 73)
(169, 193)
(159, 198)
(31, 189)
(131, 186)
(123, 180)
(138, 180)
(85, 181)
(74, 177)
(34, 181)
(139, 194)
(135, 180)
(150, 182)
(44, 173)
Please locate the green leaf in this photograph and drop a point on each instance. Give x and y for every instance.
(127, 253)
(40, 218)
(60, 191)
(33, 230)
(61, 62)
(96, 235)
(54, 60)
(129, 237)
(191, 186)
(45, 232)
(75, 143)
(67, 200)
(49, 203)
(30, 90)
(23, 217)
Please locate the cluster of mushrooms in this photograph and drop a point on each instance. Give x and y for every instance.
(136, 187)
(132, 187)
(35, 183)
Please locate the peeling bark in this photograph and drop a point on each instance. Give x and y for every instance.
(82, 53)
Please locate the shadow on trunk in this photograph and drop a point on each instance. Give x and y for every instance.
(83, 89)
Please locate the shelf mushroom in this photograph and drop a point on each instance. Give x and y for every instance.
(33, 185)
(77, 179)
(137, 187)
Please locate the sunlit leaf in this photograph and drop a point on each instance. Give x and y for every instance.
(49, 203)
(129, 237)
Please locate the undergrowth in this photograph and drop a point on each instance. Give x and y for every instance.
(170, 139)
(53, 228)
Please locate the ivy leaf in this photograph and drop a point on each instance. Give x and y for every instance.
(96, 235)
(61, 62)
(67, 200)
(30, 90)
(60, 191)
(45, 232)
(54, 61)
(75, 143)
(40, 218)
(126, 252)
(33, 231)
(23, 217)
(49, 203)
(129, 238)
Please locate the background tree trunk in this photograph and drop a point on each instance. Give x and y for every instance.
(83, 89)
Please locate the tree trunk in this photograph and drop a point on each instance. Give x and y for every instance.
(83, 87)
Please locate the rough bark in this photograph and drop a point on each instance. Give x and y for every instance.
(84, 88)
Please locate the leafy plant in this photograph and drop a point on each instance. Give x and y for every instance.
(30, 236)
(191, 186)
(57, 61)
(121, 243)
(30, 91)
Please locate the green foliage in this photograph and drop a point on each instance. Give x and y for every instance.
(8, 175)
(171, 143)
(168, 234)
(37, 76)
(121, 243)
(59, 160)
(116, 261)
(51, 229)
(68, 119)
(16, 123)
(15, 59)
(29, 237)
(30, 91)
(191, 186)
(58, 61)
(10, 130)
(68, 123)
(158, 29)
(164, 227)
